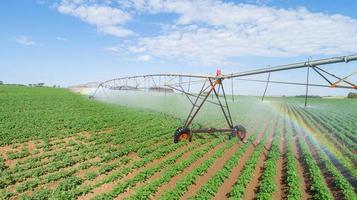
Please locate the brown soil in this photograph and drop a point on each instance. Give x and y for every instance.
(12, 188)
(60, 143)
(174, 179)
(225, 188)
(252, 188)
(21, 161)
(106, 131)
(328, 177)
(101, 176)
(31, 146)
(279, 179)
(109, 186)
(303, 173)
(82, 173)
(133, 155)
(198, 162)
(218, 164)
(84, 134)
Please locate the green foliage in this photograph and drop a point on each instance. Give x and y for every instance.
(29, 113)
(318, 185)
(2, 164)
(147, 190)
(267, 185)
(352, 95)
(209, 189)
(123, 142)
(293, 179)
(247, 172)
(91, 175)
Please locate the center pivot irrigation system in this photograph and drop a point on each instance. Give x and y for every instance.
(212, 85)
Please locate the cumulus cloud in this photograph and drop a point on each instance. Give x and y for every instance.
(112, 49)
(213, 32)
(108, 20)
(223, 30)
(25, 41)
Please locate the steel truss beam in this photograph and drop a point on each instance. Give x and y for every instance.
(213, 86)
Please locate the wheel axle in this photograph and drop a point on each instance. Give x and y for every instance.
(184, 133)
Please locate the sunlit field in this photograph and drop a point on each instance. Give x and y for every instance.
(59, 145)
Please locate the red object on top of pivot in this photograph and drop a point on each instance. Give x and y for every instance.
(218, 72)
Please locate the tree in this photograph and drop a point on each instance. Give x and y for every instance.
(352, 95)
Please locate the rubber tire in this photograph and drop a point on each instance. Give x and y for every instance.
(243, 132)
(179, 132)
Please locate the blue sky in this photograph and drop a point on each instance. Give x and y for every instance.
(68, 42)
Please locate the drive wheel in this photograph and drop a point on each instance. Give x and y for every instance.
(182, 134)
(241, 132)
(238, 131)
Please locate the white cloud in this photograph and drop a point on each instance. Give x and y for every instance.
(112, 49)
(116, 31)
(25, 41)
(211, 32)
(144, 58)
(107, 19)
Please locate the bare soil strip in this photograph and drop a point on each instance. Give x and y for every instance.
(252, 188)
(283, 150)
(226, 187)
(329, 179)
(35, 152)
(281, 186)
(12, 188)
(192, 190)
(109, 186)
(178, 177)
(303, 174)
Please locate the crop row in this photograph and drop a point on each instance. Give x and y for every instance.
(292, 177)
(318, 185)
(147, 172)
(74, 192)
(324, 144)
(182, 185)
(238, 188)
(82, 152)
(340, 181)
(267, 185)
(150, 188)
(340, 128)
(345, 146)
(62, 174)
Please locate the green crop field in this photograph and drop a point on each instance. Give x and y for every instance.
(55, 144)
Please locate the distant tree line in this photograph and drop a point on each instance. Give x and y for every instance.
(352, 95)
(37, 85)
(309, 96)
(29, 85)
